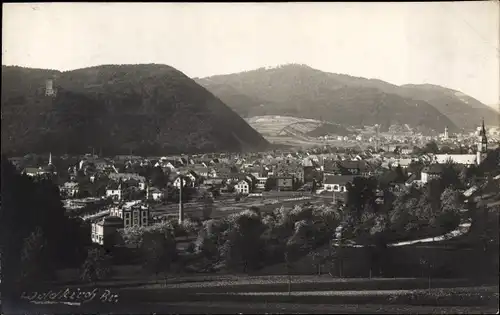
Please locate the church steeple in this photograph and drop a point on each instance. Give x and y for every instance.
(482, 133)
(50, 158)
(482, 144)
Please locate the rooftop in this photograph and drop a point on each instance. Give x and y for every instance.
(338, 179)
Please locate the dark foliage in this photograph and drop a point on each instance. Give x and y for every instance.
(32, 212)
(144, 109)
(298, 90)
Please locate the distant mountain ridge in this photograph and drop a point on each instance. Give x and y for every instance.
(301, 91)
(145, 109)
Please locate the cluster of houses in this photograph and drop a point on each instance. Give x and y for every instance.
(243, 174)
(252, 172)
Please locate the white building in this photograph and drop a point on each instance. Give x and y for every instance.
(188, 181)
(70, 189)
(115, 192)
(337, 183)
(431, 172)
(243, 187)
(406, 151)
(105, 232)
(403, 163)
(464, 159)
(261, 182)
(155, 194)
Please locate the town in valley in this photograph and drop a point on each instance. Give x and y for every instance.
(168, 158)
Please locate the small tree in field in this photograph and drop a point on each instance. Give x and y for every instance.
(319, 258)
(97, 266)
(426, 269)
(190, 226)
(32, 256)
(159, 251)
(208, 205)
(132, 235)
(296, 246)
(292, 254)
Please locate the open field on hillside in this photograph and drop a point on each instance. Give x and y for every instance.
(292, 141)
(272, 125)
(295, 131)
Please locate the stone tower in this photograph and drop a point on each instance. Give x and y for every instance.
(49, 88)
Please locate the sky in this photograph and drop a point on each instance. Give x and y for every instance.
(452, 44)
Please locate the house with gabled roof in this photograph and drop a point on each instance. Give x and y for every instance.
(431, 172)
(69, 189)
(243, 186)
(222, 172)
(115, 191)
(285, 183)
(337, 183)
(34, 171)
(414, 179)
(199, 170)
(187, 181)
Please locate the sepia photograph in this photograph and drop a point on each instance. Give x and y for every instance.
(250, 158)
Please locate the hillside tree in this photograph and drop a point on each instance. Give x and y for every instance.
(97, 266)
(159, 251)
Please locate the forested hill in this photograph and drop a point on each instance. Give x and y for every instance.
(146, 109)
(301, 91)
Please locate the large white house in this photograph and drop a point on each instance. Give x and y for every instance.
(69, 189)
(337, 183)
(187, 181)
(115, 191)
(431, 172)
(105, 232)
(243, 187)
(464, 159)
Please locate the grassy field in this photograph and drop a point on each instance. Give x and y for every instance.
(292, 141)
(229, 206)
(310, 294)
(222, 283)
(457, 296)
(272, 125)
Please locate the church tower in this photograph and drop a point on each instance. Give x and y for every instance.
(446, 133)
(482, 144)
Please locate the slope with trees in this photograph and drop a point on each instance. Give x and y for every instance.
(145, 109)
(34, 228)
(301, 91)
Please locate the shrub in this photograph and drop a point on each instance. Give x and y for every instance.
(191, 248)
(97, 266)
